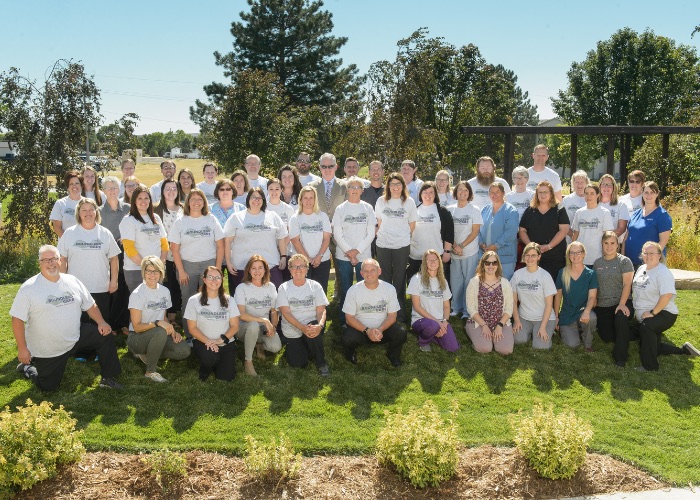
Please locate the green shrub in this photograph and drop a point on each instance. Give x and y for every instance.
(167, 467)
(19, 260)
(33, 441)
(554, 445)
(272, 461)
(420, 444)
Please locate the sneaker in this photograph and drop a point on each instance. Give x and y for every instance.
(395, 362)
(20, 368)
(465, 316)
(641, 369)
(589, 349)
(425, 348)
(324, 371)
(350, 355)
(142, 357)
(156, 377)
(454, 314)
(190, 342)
(690, 349)
(110, 383)
(81, 360)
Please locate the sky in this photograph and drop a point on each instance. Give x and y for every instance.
(152, 57)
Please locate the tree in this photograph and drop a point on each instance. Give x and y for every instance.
(49, 124)
(114, 138)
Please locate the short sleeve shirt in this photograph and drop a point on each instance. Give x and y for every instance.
(575, 299)
(311, 228)
(591, 223)
(152, 302)
(254, 234)
(302, 302)
(426, 235)
(649, 285)
(432, 298)
(610, 278)
(146, 237)
(395, 216)
(547, 174)
(258, 300)
(64, 210)
(533, 288)
(521, 201)
(88, 252)
(197, 237)
(213, 319)
(464, 219)
(371, 307)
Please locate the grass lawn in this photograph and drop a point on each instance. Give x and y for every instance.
(649, 419)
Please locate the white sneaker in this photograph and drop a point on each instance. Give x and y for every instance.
(425, 348)
(454, 314)
(156, 377)
(142, 357)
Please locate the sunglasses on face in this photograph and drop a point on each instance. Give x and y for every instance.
(490, 262)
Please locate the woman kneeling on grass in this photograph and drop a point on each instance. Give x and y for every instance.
(151, 336)
(430, 296)
(490, 306)
(212, 319)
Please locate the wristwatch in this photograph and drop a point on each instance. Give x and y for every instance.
(499, 324)
(365, 330)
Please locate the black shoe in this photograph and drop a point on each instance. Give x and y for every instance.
(690, 349)
(110, 383)
(395, 362)
(324, 371)
(351, 356)
(27, 371)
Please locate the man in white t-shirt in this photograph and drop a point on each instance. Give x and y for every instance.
(46, 325)
(252, 166)
(481, 182)
(539, 172)
(208, 185)
(304, 169)
(413, 183)
(352, 169)
(370, 313)
(167, 169)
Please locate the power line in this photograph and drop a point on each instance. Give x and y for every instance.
(152, 80)
(149, 96)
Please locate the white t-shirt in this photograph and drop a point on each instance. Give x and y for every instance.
(617, 212)
(155, 192)
(285, 211)
(572, 203)
(590, 224)
(254, 234)
(481, 193)
(413, 188)
(371, 307)
(532, 289)
(521, 201)
(311, 228)
(431, 299)
(260, 182)
(152, 302)
(213, 319)
(395, 216)
(547, 174)
(632, 203)
(446, 199)
(649, 285)
(302, 302)
(464, 218)
(197, 237)
(64, 211)
(426, 235)
(51, 312)
(306, 179)
(146, 238)
(208, 190)
(353, 228)
(91, 195)
(168, 220)
(88, 253)
(258, 300)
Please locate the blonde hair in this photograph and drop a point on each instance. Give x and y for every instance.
(662, 257)
(88, 201)
(308, 189)
(449, 180)
(613, 196)
(152, 260)
(566, 271)
(531, 246)
(425, 276)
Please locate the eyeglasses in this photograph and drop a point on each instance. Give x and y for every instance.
(174, 188)
(131, 186)
(259, 198)
(355, 187)
(225, 189)
(490, 262)
(112, 188)
(646, 254)
(327, 167)
(213, 278)
(531, 255)
(395, 184)
(297, 268)
(634, 181)
(168, 168)
(301, 160)
(580, 252)
(152, 271)
(52, 260)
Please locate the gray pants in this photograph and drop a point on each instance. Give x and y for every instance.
(156, 344)
(251, 334)
(133, 279)
(530, 329)
(195, 271)
(572, 334)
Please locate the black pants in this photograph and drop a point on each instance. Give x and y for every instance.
(615, 327)
(222, 363)
(50, 370)
(650, 345)
(394, 337)
(119, 301)
(392, 262)
(321, 274)
(300, 350)
(172, 284)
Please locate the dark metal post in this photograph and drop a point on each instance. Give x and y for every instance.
(664, 162)
(611, 156)
(574, 153)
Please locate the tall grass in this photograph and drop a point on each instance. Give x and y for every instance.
(684, 246)
(18, 260)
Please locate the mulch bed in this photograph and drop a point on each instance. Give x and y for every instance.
(484, 472)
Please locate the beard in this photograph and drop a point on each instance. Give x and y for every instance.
(304, 170)
(485, 179)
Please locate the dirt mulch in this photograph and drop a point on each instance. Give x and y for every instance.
(484, 472)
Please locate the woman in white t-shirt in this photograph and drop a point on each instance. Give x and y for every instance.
(197, 242)
(169, 209)
(396, 219)
(590, 223)
(467, 221)
(240, 179)
(290, 183)
(63, 212)
(185, 181)
(212, 319)
(256, 298)
(208, 185)
(534, 287)
(635, 184)
(142, 234)
(285, 211)
(618, 211)
(255, 230)
(430, 296)
(443, 185)
(91, 188)
(310, 233)
(151, 336)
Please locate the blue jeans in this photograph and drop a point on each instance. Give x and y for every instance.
(461, 271)
(344, 269)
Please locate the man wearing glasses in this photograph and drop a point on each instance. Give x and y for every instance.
(167, 169)
(47, 328)
(304, 169)
(252, 167)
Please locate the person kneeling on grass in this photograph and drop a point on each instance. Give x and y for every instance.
(430, 296)
(212, 319)
(46, 323)
(370, 308)
(151, 336)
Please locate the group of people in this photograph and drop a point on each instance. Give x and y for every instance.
(133, 257)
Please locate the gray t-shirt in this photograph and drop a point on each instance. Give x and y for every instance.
(88, 252)
(649, 285)
(302, 302)
(213, 319)
(258, 300)
(371, 307)
(532, 290)
(197, 237)
(152, 302)
(51, 312)
(610, 278)
(432, 298)
(64, 210)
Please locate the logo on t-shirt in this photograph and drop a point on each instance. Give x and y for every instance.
(380, 307)
(307, 301)
(426, 219)
(220, 315)
(464, 220)
(520, 204)
(95, 244)
(593, 223)
(69, 211)
(431, 294)
(150, 230)
(311, 228)
(642, 282)
(256, 227)
(156, 305)
(60, 300)
(204, 232)
(399, 213)
(528, 287)
(264, 303)
(356, 219)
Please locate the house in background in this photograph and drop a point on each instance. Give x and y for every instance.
(8, 150)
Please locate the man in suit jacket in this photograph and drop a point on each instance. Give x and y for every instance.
(329, 183)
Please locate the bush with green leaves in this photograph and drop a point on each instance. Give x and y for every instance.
(273, 461)
(167, 467)
(34, 440)
(420, 444)
(553, 444)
